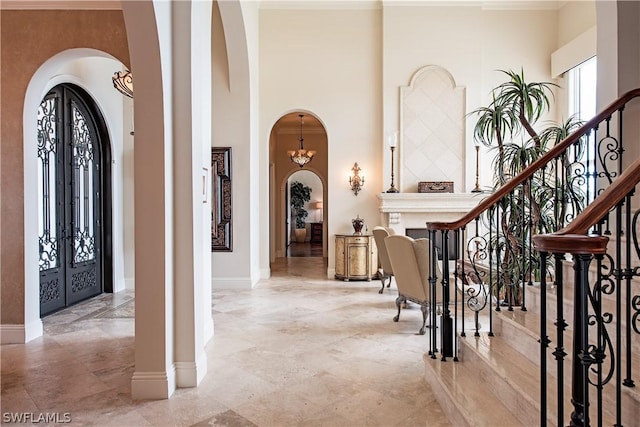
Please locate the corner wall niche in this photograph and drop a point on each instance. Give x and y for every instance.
(432, 117)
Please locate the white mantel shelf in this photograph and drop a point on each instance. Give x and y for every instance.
(413, 210)
(428, 202)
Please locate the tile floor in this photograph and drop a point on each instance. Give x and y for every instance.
(297, 350)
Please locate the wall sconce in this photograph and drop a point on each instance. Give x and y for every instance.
(123, 81)
(356, 181)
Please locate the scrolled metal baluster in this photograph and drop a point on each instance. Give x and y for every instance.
(524, 233)
(609, 150)
(475, 291)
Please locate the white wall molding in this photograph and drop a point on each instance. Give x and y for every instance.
(190, 374)
(153, 385)
(231, 283)
(575, 52)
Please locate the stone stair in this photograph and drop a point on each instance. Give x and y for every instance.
(496, 381)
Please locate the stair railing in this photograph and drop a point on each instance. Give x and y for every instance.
(493, 256)
(600, 335)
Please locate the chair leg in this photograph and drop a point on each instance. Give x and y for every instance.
(425, 310)
(399, 302)
(384, 277)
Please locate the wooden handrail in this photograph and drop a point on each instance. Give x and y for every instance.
(573, 238)
(528, 172)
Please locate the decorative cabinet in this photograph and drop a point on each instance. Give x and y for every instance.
(316, 232)
(356, 257)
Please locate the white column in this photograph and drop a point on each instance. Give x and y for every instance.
(192, 107)
(148, 27)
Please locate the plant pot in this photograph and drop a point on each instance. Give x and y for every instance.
(300, 234)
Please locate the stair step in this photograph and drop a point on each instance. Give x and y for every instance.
(463, 398)
(502, 372)
(509, 375)
(508, 364)
(530, 319)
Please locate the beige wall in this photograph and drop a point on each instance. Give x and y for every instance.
(21, 31)
(574, 18)
(471, 44)
(328, 62)
(347, 65)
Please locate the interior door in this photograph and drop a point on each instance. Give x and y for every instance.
(69, 200)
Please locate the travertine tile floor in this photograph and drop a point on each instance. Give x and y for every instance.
(296, 350)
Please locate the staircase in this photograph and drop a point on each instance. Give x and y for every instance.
(487, 363)
(496, 380)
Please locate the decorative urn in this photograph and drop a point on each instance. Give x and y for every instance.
(357, 223)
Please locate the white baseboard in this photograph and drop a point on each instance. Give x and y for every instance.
(190, 374)
(130, 283)
(20, 334)
(231, 283)
(265, 273)
(153, 385)
(331, 273)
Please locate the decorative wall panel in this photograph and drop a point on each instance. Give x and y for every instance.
(432, 117)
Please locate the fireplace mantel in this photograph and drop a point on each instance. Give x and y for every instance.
(414, 210)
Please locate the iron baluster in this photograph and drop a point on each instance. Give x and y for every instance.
(561, 325)
(599, 352)
(628, 274)
(455, 296)
(464, 280)
(446, 326)
(617, 274)
(544, 343)
(433, 260)
(524, 233)
(580, 367)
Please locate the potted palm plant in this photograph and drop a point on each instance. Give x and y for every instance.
(300, 194)
(508, 125)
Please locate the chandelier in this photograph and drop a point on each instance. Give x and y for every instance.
(123, 81)
(301, 156)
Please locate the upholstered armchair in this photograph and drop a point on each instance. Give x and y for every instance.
(379, 234)
(410, 263)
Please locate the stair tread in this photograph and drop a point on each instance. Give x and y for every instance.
(471, 400)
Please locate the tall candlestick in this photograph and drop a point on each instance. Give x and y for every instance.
(393, 141)
(477, 189)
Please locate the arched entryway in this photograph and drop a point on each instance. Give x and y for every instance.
(74, 199)
(304, 230)
(285, 136)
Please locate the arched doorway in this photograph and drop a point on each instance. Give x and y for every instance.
(74, 199)
(309, 220)
(285, 136)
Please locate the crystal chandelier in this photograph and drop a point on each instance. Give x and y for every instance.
(301, 156)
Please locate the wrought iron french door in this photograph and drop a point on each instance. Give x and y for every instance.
(70, 202)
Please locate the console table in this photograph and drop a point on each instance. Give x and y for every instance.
(356, 257)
